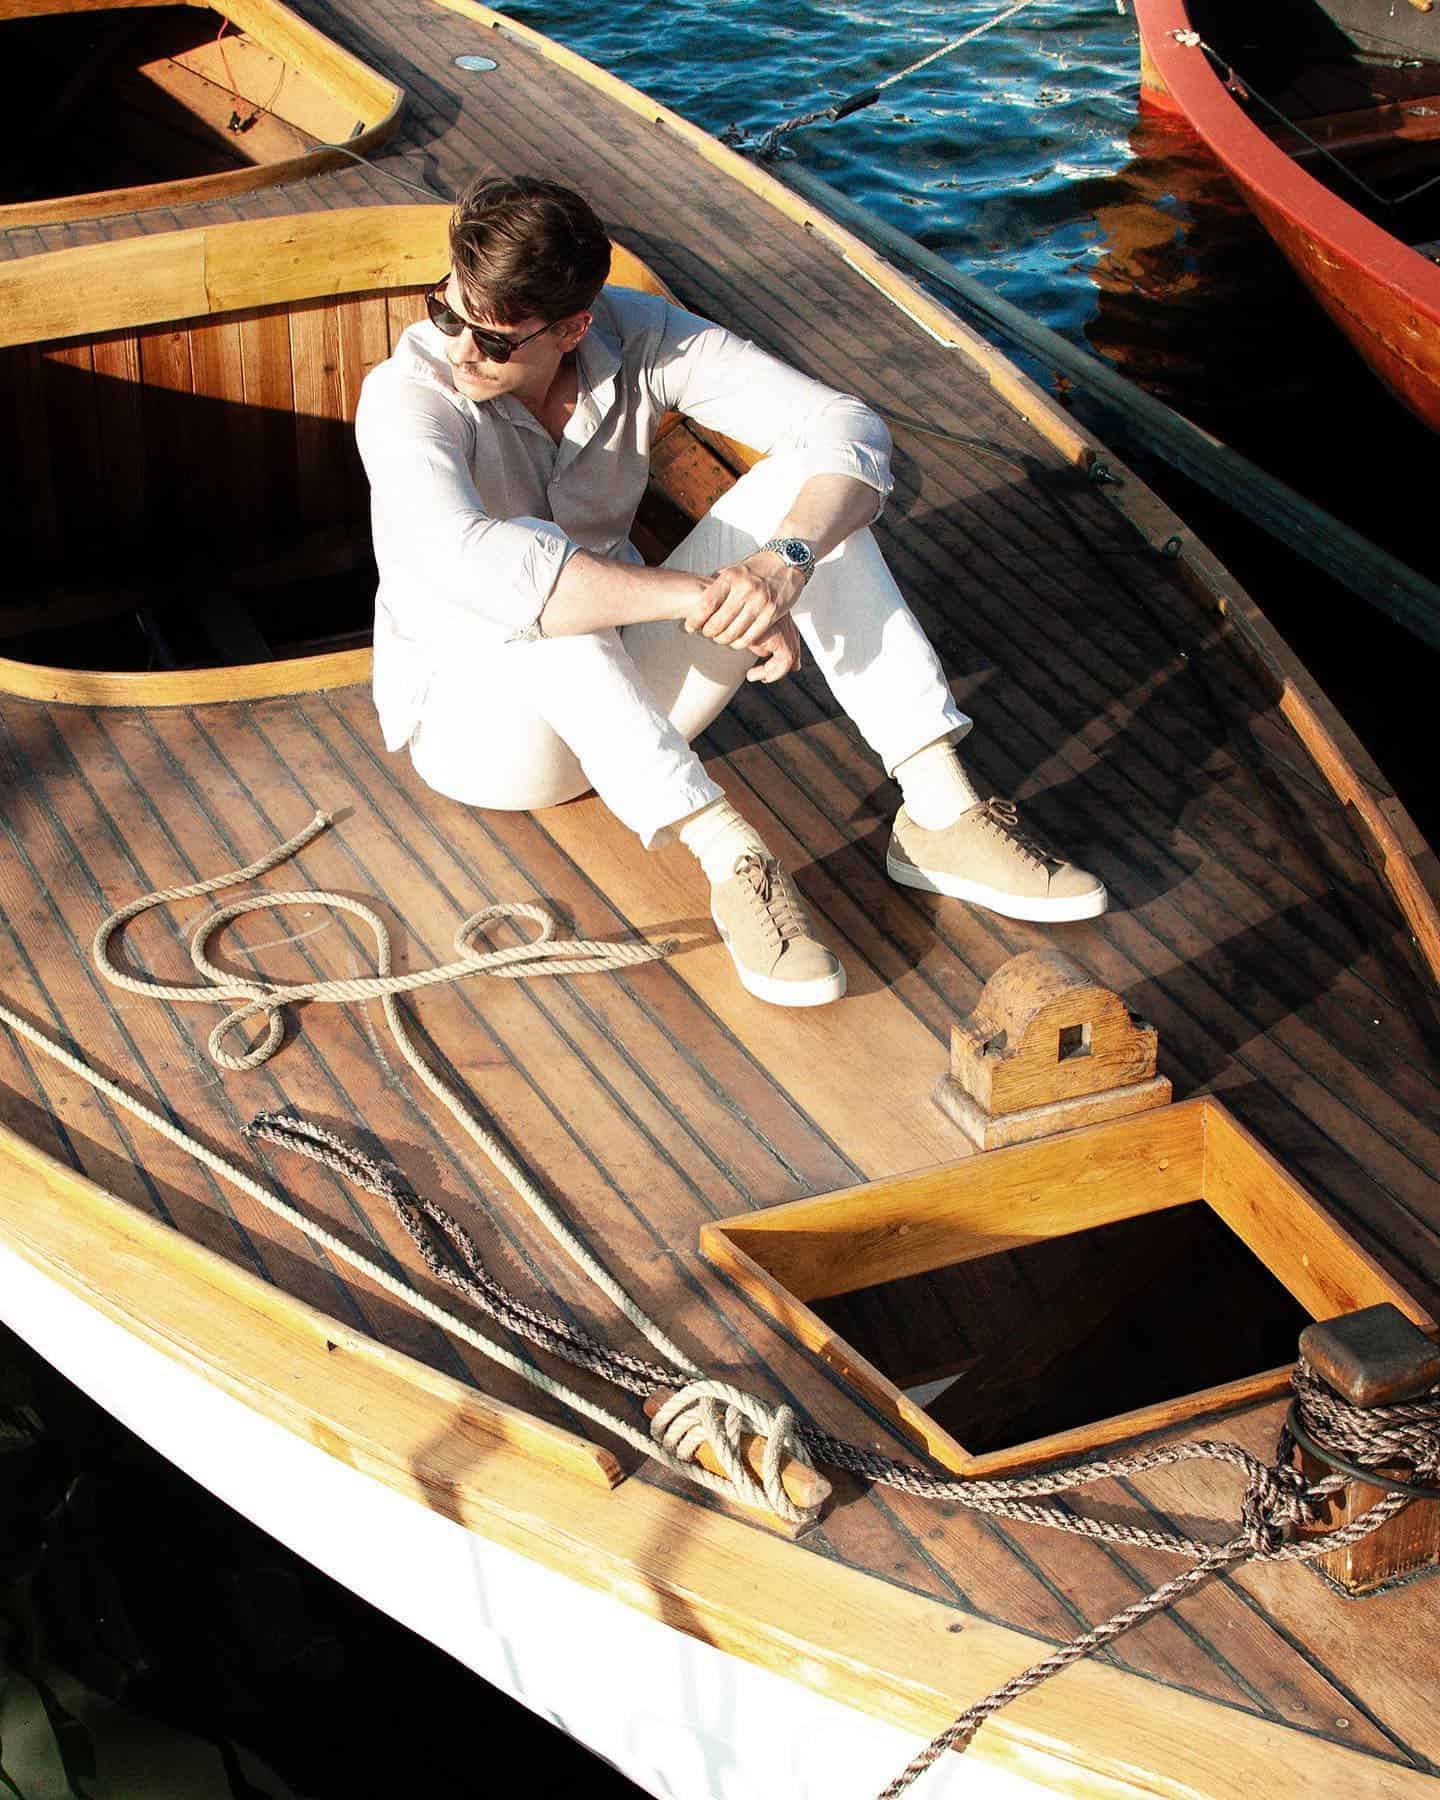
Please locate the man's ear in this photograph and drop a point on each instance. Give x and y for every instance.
(575, 329)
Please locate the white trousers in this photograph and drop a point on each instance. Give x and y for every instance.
(548, 718)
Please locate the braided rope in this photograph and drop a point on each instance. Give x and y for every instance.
(373, 1271)
(1403, 1431)
(542, 955)
(1276, 1502)
(715, 1413)
(1277, 1499)
(473, 1279)
(769, 143)
(702, 1412)
(1260, 1542)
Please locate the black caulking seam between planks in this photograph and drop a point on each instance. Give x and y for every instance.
(179, 1026)
(425, 1330)
(415, 1113)
(184, 780)
(539, 1003)
(1306, 1652)
(1182, 966)
(657, 1024)
(1162, 982)
(25, 1062)
(82, 961)
(711, 1298)
(905, 554)
(737, 1045)
(589, 1152)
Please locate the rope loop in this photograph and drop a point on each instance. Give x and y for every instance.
(715, 1413)
(542, 954)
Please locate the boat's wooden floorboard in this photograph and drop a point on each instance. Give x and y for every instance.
(1246, 923)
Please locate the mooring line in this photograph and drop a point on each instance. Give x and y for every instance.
(1277, 1501)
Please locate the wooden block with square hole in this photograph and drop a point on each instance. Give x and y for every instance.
(1047, 1049)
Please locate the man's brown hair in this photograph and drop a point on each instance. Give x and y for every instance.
(524, 248)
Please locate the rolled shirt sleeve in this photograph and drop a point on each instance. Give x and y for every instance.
(433, 536)
(728, 384)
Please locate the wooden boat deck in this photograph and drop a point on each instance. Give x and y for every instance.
(1249, 924)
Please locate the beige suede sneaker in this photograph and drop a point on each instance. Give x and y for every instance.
(985, 857)
(767, 932)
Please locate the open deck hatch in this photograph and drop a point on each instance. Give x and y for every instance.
(1058, 1262)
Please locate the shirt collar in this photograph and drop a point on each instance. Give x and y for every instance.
(598, 358)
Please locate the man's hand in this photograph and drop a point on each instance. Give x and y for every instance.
(745, 601)
(779, 653)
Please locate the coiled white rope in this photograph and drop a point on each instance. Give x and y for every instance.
(715, 1409)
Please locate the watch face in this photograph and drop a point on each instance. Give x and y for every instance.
(796, 552)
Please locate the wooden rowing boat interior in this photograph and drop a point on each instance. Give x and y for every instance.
(1351, 91)
(186, 518)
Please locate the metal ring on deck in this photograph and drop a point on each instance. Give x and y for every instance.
(1370, 1476)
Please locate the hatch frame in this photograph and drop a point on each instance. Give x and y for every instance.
(785, 1256)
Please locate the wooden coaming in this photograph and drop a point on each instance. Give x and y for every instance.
(343, 87)
(1248, 927)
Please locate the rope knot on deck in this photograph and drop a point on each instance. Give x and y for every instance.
(714, 1413)
(1276, 1502)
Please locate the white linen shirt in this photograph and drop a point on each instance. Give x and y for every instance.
(476, 509)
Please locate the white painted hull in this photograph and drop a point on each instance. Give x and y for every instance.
(679, 1718)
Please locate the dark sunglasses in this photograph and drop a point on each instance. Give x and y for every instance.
(497, 347)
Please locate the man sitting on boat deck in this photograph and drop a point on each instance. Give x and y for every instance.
(525, 653)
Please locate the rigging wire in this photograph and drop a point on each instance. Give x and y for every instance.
(768, 143)
(1241, 87)
(231, 87)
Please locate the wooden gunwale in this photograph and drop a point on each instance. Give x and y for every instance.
(1099, 1731)
(212, 272)
(844, 1632)
(379, 105)
(93, 288)
(1384, 295)
(184, 687)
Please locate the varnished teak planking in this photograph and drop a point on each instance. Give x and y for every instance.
(683, 1101)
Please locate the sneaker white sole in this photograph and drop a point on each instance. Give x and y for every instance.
(1009, 906)
(787, 993)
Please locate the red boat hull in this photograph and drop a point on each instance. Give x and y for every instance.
(1383, 295)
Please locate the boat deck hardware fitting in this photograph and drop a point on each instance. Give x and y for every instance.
(787, 1258)
(1376, 1361)
(1047, 1049)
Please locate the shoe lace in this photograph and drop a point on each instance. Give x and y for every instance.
(1004, 816)
(770, 885)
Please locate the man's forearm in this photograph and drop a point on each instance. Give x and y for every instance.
(827, 510)
(742, 604)
(595, 592)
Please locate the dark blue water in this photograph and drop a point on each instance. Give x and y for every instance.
(998, 156)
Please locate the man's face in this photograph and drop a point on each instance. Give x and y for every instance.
(531, 367)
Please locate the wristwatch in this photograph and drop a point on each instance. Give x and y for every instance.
(796, 552)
